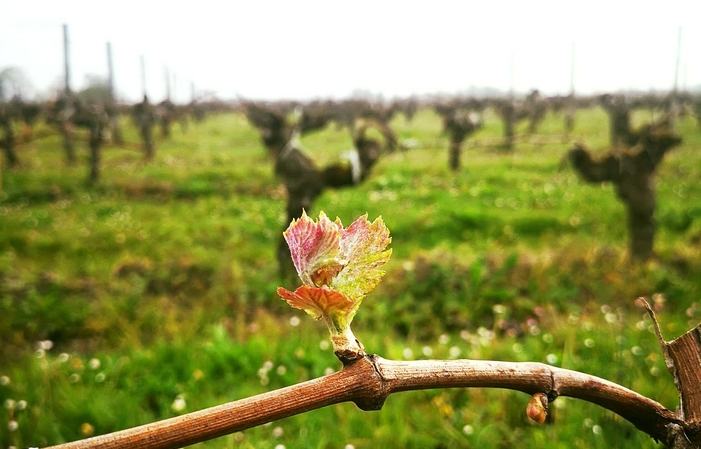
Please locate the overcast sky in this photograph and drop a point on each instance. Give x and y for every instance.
(306, 49)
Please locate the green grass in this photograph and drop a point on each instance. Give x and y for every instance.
(160, 282)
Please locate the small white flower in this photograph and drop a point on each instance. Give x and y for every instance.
(499, 309)
(178, 404)
(44, 344)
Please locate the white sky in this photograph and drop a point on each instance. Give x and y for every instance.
(302, 49)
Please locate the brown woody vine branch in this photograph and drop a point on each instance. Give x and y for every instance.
(370, 380)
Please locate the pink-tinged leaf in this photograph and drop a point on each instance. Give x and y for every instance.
(337, 266)
(314, 247)
(319, 302)
(363, 246)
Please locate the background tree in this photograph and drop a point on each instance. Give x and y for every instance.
(458, 123)
(166, 112)
(510, 113)
(618, 110)
(535, 109)
(303, 179)
(632, 173)
(144, 116)
(7, 142)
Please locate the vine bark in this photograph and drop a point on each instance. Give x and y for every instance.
(369, 380)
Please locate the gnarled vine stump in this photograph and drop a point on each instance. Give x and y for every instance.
(632, 173)
(459, 124)
(303, 180)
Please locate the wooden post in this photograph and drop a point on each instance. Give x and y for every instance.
(66, 125)
(676, 71)
(512, 75)
(166, 75)
(66, 60)
(143, 76)
(570, 107)
(674, 104)
(572, 71)
(112, 107)
(110, 70)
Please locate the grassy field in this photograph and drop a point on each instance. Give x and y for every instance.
(153, 293)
